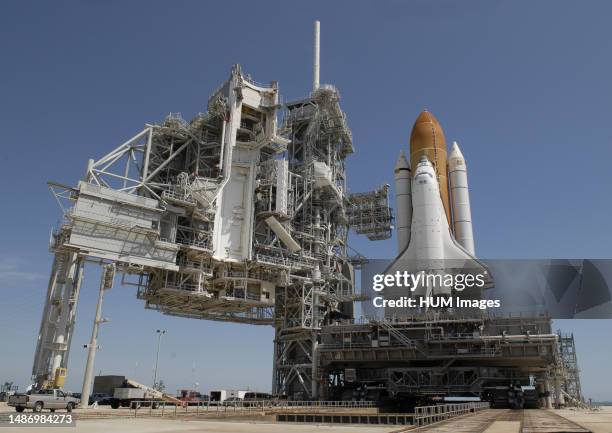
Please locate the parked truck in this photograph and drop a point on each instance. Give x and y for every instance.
(37, 400)
(218, 396)
(191, 397)
(6, 390)
(133, 394)
(134, 398)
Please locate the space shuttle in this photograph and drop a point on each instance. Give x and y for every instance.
(433, 214)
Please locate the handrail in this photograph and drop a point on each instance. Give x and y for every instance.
(424, 415)
(167, 408)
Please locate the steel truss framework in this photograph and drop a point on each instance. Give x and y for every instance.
(224, 217)
(571, 377)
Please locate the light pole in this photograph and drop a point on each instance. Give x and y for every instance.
(160, 332)
(106, 282)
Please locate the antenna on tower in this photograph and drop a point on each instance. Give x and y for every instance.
(317, 52)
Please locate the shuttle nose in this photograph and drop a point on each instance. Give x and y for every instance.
(424, 165)
(424, 172)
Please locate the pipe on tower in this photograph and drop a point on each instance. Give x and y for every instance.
(460, 199)
(317, 52)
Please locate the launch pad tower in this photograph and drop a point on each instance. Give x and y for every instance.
(230, 216)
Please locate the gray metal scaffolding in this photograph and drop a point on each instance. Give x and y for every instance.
(571, 377)
(224, 217)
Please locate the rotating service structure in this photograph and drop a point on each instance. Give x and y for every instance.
(231, 216)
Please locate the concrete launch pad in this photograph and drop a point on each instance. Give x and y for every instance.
(599, 421)
(172, 426)
(486, 421)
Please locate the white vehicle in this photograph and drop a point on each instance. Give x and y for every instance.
(218, 396)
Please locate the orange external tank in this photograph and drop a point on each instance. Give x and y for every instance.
(427, 138)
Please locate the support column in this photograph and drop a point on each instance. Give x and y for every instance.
(275, 390)
(559, 397)
(315, 364)
(59, 314)
(106, 282)
(549, 395)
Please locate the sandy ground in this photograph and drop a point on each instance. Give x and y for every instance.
(596, 421)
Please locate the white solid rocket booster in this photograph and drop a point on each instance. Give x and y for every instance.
(460, 199)
(403, 202)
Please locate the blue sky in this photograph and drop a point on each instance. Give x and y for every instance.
(523, 86)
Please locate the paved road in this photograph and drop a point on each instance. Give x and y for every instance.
(599, 421)
(478, 422)
(510, 421)
(487, 421)
(178, 426)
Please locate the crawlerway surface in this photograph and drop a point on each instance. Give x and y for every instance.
(149, 425)
(487, 421)
(525, 421)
